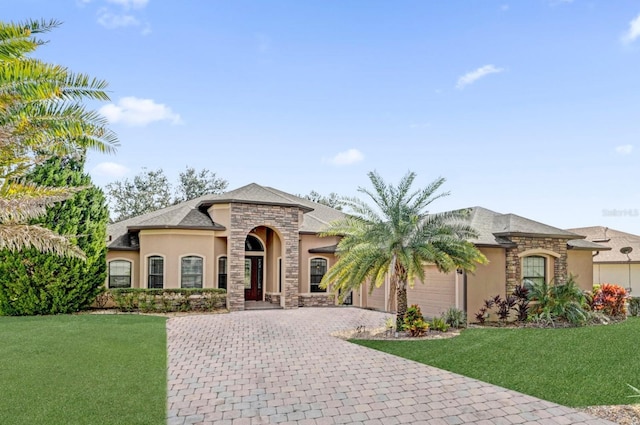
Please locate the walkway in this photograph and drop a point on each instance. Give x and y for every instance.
(283, 367)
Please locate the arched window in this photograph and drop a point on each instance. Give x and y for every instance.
(317, 269)
(534, 270)
(222, 272)
(253, 244)
(155, 272)
(191, 272)
(119, 274)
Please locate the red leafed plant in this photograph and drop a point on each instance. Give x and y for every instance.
(609, 299)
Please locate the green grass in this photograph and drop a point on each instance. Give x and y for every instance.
(573, 367)
(83, 369)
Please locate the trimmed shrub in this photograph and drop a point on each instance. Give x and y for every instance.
(168, 300)
(634, 306)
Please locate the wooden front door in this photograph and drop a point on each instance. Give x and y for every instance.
(253, 278)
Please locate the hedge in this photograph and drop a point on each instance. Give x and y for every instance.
(163, 300)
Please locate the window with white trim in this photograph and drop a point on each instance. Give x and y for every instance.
(155, 271)
(119, 274)
(317, 270)
(191, 272)
(534, 270)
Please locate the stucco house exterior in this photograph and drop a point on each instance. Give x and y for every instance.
(612, 265)
(262, 244)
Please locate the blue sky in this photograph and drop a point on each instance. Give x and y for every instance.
(529, 107)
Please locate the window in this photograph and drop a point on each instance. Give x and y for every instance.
(155, 266)
(119, 274)
(191, 272)
(534, 270)
(318, 269)
(222, 272)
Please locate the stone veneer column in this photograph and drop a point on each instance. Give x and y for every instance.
(525, 243)
(285, 220)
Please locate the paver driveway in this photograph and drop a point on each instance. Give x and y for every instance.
(282, 366)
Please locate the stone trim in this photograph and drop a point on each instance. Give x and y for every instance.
(285, 221)
(526, 246)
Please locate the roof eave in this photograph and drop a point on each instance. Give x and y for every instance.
(167, 226)
(539, 235)
(207, 204)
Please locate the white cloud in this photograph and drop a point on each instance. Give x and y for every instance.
(504, 7)
(473, 76)
(634, 31)
(624, 149)
(348, 157)
(110, 169)
(130, 4)
(139, 112)
(113, 20)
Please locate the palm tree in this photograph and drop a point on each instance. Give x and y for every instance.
(41, 115)
(396, 236)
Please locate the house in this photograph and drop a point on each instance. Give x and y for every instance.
(517, 248)
(262, 244)
(613, 265)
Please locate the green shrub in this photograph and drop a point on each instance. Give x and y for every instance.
(438, 324)
(414, 321)
(455, 318)
(634, 306)
(168, 300)
(558, 302)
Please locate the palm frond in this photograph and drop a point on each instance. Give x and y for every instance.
(16, 38)
(17, 237)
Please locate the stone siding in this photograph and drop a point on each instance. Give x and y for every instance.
(285, 220)
(526, 243)
(316, 300)
(272, 298)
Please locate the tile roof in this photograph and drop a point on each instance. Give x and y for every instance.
(614, 240)
(493, 227)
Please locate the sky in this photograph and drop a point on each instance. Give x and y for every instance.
(529, 107)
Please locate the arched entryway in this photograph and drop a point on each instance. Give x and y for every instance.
(253, 268)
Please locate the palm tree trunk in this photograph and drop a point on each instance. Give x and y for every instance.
(401, 298)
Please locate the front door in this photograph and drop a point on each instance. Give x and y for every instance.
(253, 278)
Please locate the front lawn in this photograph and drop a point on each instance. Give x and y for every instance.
(574, 367)
(83, 369)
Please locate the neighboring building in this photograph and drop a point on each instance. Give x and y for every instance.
(262, 244)
(613, 266)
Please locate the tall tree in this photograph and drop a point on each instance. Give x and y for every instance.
(41, 116)
(33, 282)
(148, 191)
(396, 236)
(332, 200)
(192, 184)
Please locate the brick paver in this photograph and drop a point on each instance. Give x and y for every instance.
(284, 367)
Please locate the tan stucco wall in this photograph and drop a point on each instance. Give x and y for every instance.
(488, 280)
(220, 214)
(132, 256)
(618, 274)
(173, 244)
(580, 265)
(436, 294)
